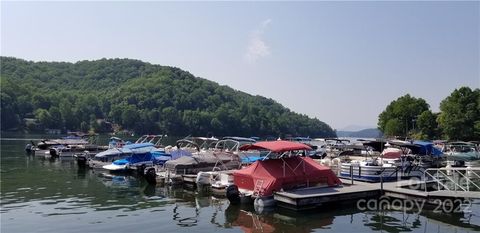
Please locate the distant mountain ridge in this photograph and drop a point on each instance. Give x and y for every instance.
(354, 128)
(365, 133)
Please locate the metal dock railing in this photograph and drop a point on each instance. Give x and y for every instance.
(455, 179)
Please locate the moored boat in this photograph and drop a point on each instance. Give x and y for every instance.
(461, 152)
(283, 168)
(65, 146)
(399, 159)
(119, 150)
(138, 161)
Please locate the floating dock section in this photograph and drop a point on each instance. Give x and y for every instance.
(311, 198)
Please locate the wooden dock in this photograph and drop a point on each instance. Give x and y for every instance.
(310, 198)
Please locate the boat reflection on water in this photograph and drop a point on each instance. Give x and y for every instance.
(391, 221)
(388, 222)
(189, 208)
(118, 181)
(274, 220)
(426, 221)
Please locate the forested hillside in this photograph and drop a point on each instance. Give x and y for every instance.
(137, 96)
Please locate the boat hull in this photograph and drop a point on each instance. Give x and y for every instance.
(369, 173)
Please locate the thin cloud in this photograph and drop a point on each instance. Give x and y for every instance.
(257, 48)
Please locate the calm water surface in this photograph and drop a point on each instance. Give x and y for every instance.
(44, 195)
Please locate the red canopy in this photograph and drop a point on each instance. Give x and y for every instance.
(276, 146)
(271, 175)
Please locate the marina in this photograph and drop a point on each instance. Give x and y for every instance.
(80, 193)
(56, 190)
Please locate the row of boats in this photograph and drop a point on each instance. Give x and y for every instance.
(247, 170)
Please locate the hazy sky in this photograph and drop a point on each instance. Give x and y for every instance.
(341, 62)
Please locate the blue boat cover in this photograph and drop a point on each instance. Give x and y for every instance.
(156, 157)
(426, 148)
(251, 159)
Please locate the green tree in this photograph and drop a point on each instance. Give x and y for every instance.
(460, 114)
(130, 116)
(404, 110)
(84, 127)
(10, 118)
(68, 117)
(427, 125)
(44, 117)
(56, 118)
(41, 101)
(393, 128)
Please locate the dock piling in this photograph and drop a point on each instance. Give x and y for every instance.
(351, 174)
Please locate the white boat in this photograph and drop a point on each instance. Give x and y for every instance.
(120, 150)
(64, 147)
(140, 156)
(461, 152)
(370, 170)
(207, 155)
(406, 159)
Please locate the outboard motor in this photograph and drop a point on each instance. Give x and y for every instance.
(151, 176)
(203, 181)
(141, 169)
(29, 149)
(81, 160)
(233, 195)
(54, 152)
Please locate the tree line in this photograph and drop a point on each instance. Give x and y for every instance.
(458, 119)
(140, 97)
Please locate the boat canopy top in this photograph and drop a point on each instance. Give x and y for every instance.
(276, 146)
(240, 139)
(127, 149)
(266, 177)
(138, 145)
(337, 139)
(375, 145)
(419, 147)
(299, 139)
(153, 156)
(116, 139)
(461, 143)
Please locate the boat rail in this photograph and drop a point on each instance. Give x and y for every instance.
(461, 178)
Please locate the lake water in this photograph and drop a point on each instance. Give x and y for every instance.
(44, 195)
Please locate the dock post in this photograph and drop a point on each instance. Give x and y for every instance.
(468, 186)
(351, 174)
(425, 180)
(168, 177)
(381, 183)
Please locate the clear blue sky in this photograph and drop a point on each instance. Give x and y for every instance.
(341, 62)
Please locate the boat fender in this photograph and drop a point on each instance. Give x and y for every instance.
(449, 168)
(150, 176)
(263, 202)
(326, 162)
(233, 195)
(469, 169)
(336, 161)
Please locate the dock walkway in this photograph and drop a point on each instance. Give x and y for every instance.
(310, 198)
